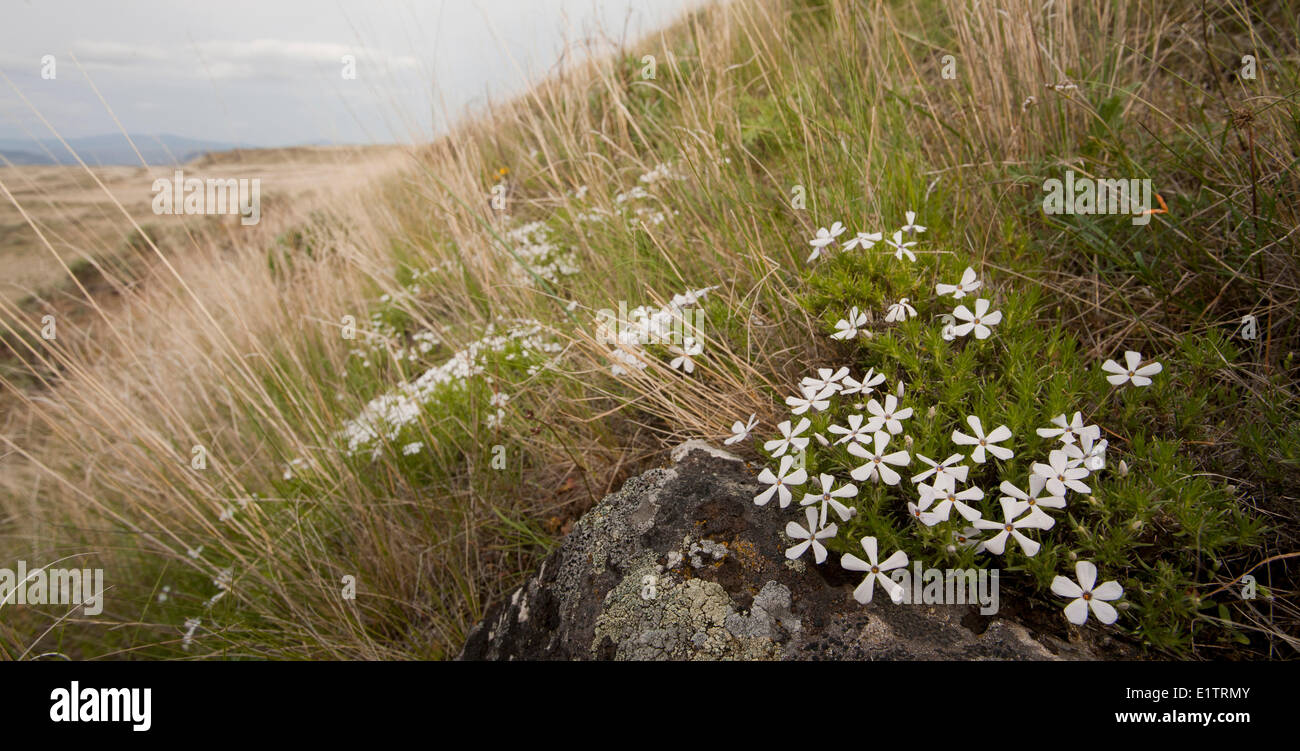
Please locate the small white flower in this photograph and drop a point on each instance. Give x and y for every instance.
(1060, 476)
(864, 240)
(814, 400)
(1070, 430)
(888, 416)
(983, 442)
(869, 382)
(949, 498)
(979, 321)
(411, 449)
(967, 538)
(901, 248)
(824, 237)
(900, 311)
(1034, 500)
(1087, 453)
(780, 482)
(789, 438)
(829, 497)
(683, 361)
(947, 468)
(826, 378)
(875, 572)
(498, 399)
(812, 537)
(740, 430)
(918, 510)
(1010, 526)
(1085, 596)
(1139, 376)
(969, 283)
(855, 431)
(877, 467)
(848, 328)
(911, 227)
(191, 625)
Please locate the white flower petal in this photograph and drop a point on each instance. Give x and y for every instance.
(1103, 610)
(1086, 572)
(853, 563)
(1066, 588)
(798, 550)
(1111, 590)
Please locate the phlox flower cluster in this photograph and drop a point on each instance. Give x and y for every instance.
(626, 340)
(385, 416)
(874, 438)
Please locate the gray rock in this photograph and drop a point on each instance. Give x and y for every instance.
(680, 564)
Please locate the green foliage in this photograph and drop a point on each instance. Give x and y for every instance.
(1158, 528)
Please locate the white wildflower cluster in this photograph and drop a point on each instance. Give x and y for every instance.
(871, 439)
(962, 320)
(636, 205)
(536, 252)
(422, 343)
(901, 242)
(380, 336)
(626, 336)
(385, 416)
(498, 403)
(939, 492)
(659, 173)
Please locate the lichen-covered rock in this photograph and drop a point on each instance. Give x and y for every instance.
(681, 565)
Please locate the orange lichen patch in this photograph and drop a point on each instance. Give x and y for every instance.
(746, 554)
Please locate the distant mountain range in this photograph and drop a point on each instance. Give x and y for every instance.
(111, 149)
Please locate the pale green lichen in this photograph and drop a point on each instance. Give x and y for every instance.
(653, 615)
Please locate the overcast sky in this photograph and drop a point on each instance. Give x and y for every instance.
(270, 72)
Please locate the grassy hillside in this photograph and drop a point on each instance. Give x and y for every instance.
(412, 394)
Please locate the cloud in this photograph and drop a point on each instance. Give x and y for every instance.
(115, 54)
(237, 60)
(263, 58)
